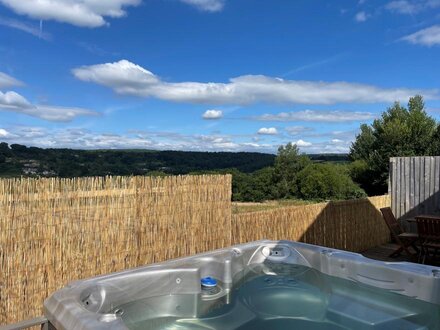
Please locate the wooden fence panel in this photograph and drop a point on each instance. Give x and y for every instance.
(414, 185)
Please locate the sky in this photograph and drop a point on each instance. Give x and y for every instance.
(211, 75)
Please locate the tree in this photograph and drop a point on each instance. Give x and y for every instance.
(263, 186)
(242, 187)
(288, 164)
(398, 132)
(4, 149)
(327, 181)
(363, 145)
(18, 148)
(434, 147)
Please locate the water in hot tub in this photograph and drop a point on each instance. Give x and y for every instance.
(283, 296)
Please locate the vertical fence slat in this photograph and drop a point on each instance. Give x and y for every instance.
(393, 173)
(407, 188)
(418, 176)
(426, 185)
(402, 184)
(432, 185)
(411, 187)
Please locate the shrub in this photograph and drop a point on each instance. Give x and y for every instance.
(327, 182)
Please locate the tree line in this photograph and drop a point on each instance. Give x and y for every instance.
(19, 160)
(295, 176)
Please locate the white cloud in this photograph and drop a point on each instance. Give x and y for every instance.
(361, 16)
(427, 37)
(86, 139)
(403, 7)
(13, 101)
(332, 146)
(302, 143)
(267, 131)
(25, 27)
(60, 114)
(411, 7)
(78, 138)
(212, 114)
(84, 13)
(3, 133)
(297, 130)
(125, 77)
(8, 81)
(206, 5)
(317, 116)
(339, 135)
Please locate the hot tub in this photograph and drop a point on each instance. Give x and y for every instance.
(259, 285)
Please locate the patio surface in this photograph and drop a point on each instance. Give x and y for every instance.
(382, 253)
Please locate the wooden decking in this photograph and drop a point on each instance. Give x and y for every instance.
(382, 253)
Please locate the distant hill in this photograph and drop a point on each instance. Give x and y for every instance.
(333, 158)
(19, 160)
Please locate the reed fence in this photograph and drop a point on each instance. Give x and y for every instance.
(354, 225)
(53, 231)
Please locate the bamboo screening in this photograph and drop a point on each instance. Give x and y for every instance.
(354, 225)
(56, 230)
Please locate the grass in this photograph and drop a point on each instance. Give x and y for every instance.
(242, 207)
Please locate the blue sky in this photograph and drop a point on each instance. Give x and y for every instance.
(211, 75)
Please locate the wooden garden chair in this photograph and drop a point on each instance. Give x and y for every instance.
(428, 228)
(405, 240)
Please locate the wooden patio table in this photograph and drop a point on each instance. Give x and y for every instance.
(425, 216)
(428, 228)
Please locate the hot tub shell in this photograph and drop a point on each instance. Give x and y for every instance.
(91, 303)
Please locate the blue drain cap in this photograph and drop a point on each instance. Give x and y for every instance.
(208, 282)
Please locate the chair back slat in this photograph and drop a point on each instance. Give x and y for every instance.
(391, 221)
(428, 228)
